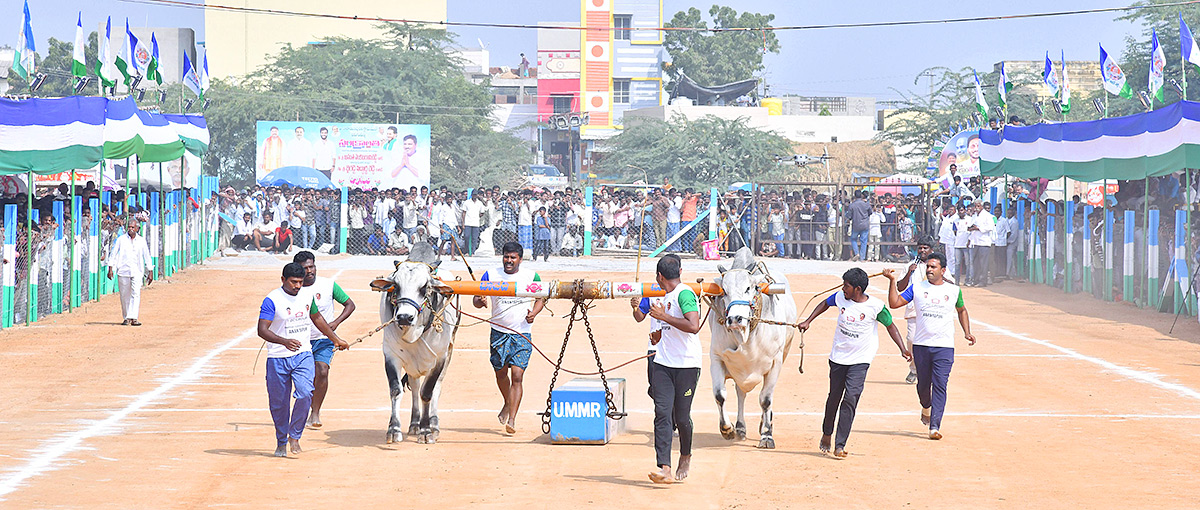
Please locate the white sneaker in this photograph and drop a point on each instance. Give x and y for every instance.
(925, 413)
(934, 434)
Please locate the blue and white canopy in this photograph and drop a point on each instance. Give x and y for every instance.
(1132, 147)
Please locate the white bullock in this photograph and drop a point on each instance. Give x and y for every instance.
(418, 343)
(744, 350)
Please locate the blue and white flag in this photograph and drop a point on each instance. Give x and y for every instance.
(23, 62)
(1158, 64)
(190, 80)
(1187, 43)
(1049, 77)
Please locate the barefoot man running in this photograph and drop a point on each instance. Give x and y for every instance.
(916, 273)
(512, 321)
(675, 370)
(325, 292)
(855, 343)
(936, 301)
(284, 320)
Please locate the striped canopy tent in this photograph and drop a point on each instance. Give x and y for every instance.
(192, 130)
(51, 135)
(901, 184)
(129, 131)
(1134, 147)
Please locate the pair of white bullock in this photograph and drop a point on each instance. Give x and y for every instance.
(419, 340)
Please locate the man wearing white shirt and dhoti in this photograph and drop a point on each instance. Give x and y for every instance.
(130, 259)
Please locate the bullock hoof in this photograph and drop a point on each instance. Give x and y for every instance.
(414, 429)
(395, 436)
(727, 432)
(741, 431)
(434, 434)
(426, 437)
(766, 443)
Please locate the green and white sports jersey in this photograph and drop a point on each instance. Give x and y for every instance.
(326, 292)
(677, 349)
(856, 339)
(511, 311)
(936, 307)
(289, 316)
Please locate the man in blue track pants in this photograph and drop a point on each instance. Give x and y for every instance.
(284, 320)
(936, 301)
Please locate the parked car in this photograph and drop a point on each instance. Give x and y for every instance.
(545, 176)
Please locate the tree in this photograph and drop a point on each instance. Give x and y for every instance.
(715, 58)
(701, 152)
(1136, 60)
(924, 120)
(56, 64)
(410, 76)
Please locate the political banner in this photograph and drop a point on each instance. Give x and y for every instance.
(360, 156)
(962, 151)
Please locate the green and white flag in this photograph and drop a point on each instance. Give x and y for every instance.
(980, 102)
(79, 64)
(1066, 87)
(1003, 87)
(152, 67)
(1113, 77)
(23, 57)
(1158, 64)
(106, 68)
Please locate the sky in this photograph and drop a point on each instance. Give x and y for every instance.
(872, 62)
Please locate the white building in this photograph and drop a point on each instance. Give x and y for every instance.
(797, 128)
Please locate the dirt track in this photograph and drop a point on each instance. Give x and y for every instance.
(1063, 402)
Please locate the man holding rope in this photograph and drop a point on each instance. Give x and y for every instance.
(512, 323)
(935, 301)
(325, 292)
(675, 370)
(916, 269)
(855, 343)
(284, 320)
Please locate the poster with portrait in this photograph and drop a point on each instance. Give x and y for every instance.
(360, 156)
(962, 150)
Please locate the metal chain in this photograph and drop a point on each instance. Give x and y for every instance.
(608, 396)
(558, 366)
(577, 297)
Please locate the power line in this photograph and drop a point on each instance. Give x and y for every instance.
(282, 12)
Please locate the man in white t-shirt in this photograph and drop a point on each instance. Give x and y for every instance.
(243, 234)
(472, 212)
(875, 235)
(284, 322)
(512, 322)
(325, 293)
(675, 371)
(936, 302)
(264, 233)
(916, 273)
(855, 343)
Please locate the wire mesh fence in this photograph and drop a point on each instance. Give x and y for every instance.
(53, 263)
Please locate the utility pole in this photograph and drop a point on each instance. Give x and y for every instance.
(928, 74)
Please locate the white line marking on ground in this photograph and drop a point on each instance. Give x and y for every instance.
(978, 414)
(54, 449)
(1138, 375)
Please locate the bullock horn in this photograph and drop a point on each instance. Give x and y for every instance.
(396, 263)
(382, 285)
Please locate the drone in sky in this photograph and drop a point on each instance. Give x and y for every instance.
(803, 160)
